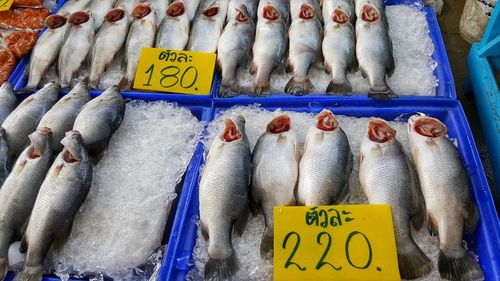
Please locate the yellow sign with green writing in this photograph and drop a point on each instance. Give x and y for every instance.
(5, 4)
(175, 71)
(348, 242)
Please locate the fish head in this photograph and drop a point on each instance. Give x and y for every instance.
(269, 12)
(340, 16)
(326, 121)
(427, 127)
(307, 12)
(176, 9)
(6, 87)
(379, 131)
(115, 15)
(242, 14)
(41, 142)
(111, 94)
(55, 21)
(370, 14)
(80, 17)
(74, 150)
(279, 124)
(141, 10)
(212, 10)
(50, 90)
(81, 90)
(234, 129)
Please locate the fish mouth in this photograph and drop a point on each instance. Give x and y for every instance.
(115, 15)
(242, 14)
(307, 12)
(327, 121)
(231, 132)
(279, 124)
(211, 11)
(176, 9)
(380, 131)
(270, 12)
(70, 157)
(55, 21)
(429, 127)
(340, 16)
(370, 13)
(79, 17)
(141, 10)
(38, 140)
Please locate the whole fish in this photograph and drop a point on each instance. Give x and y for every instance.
(325, 165)
(128, 6)
(386, 177)
(374, 46)
(191, 7)
(445, 186)
(305, 49)
(108, 41)
(141, 35)
(99, 10)
(339, 46)
(296, 7)
(46, 49)
(74, 6)
(61, 117)
(24, 119)
(234, 49)
(207, 28)
(235, 5)
(18, 193)
(99, 119)
(8, 100)
(173, 32)
(160, 7)
(275, 168)
(283, 6)
(269, 47)
(76, 47)
(224, 197)
(62, 193)
(5, 157)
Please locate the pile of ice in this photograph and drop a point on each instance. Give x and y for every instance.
(252, 266)
(122, 221)
(413, 49)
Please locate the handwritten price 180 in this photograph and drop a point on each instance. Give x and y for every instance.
(170, 76)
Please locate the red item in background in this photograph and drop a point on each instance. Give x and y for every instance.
(27, 3)
(7, 64)
(21, 42)
(24, 18)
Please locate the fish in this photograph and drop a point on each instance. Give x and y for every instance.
(61, 117)
(20, 189)
(224, 188)
(128, 6)
(296, 6)
(5, 157)
(99, 10)
(339, 45)
(326, 163)
(191, 7)
(141, 35)
(451, 210)
(62, 193)
(269, 47)
(283, 6)
(234, 48)
(46, 49)
(8, 100)
(275, 169)
(108, 41)
(173, 32)
(387, 177)
(24, 119)
(305, 49)
(99, 119)
(74, 6)
(207, 28)
(160, 7)
(235, 5)
(76, 47)
(374, 47)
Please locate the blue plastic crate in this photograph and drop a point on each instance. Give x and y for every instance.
(486, 239)
(203, 111)
(446, 84)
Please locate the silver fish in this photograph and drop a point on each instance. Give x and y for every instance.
(207, 28)
(108, 41)
(234, 49)
(275, 169)
(5, 157)
(235, 5)
(325, 165)
(61, 117)
(46, 49)
(224, 197)
(62, 193)
(18, 193)
(99, 119)
(269, 47)
(386, 177)
(74, 6)
(374, 46)
(24, 119)
(339, 46)
(128, 6)
(8, 100)
(451, 210)
(99, 10)
(76, 46)
(173, 32)
(283, 6)
(160, 7)
(305, 49)
(141, 35)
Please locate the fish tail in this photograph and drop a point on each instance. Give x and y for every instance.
(457, 265)
(413, 263)
(229, 88)
(4, 268)
(381, 92)
(220, 269)
(299, 88)
(30, 273)
(267, 244)
(343, 88)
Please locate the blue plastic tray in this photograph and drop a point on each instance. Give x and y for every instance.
(201, 109)
(446, 84)
(485, 241)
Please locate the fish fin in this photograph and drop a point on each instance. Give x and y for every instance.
(363, 73)
(289, 67)
(261, 90)
(344, 88)
(125, 84)
(30, 273)
(229, 89)
(241, 222)
(253, 68)
(267, 244)
(23, 248)
(432, 225)
(381, 92)
(327, 67)
(204, 231)
(4, 267)
(418, 209)
(413, 263)
(458, 268)
(299, 88)
(20, 232)
(220, 269)
(62, 237)
(472, 218)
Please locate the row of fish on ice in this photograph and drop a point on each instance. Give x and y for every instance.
(40, 196)
(432, 188)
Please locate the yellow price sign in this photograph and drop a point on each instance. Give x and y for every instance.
(175, 71)
(5, 4)
(348, 242)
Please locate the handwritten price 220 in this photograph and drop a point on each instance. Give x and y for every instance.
(170, 76)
